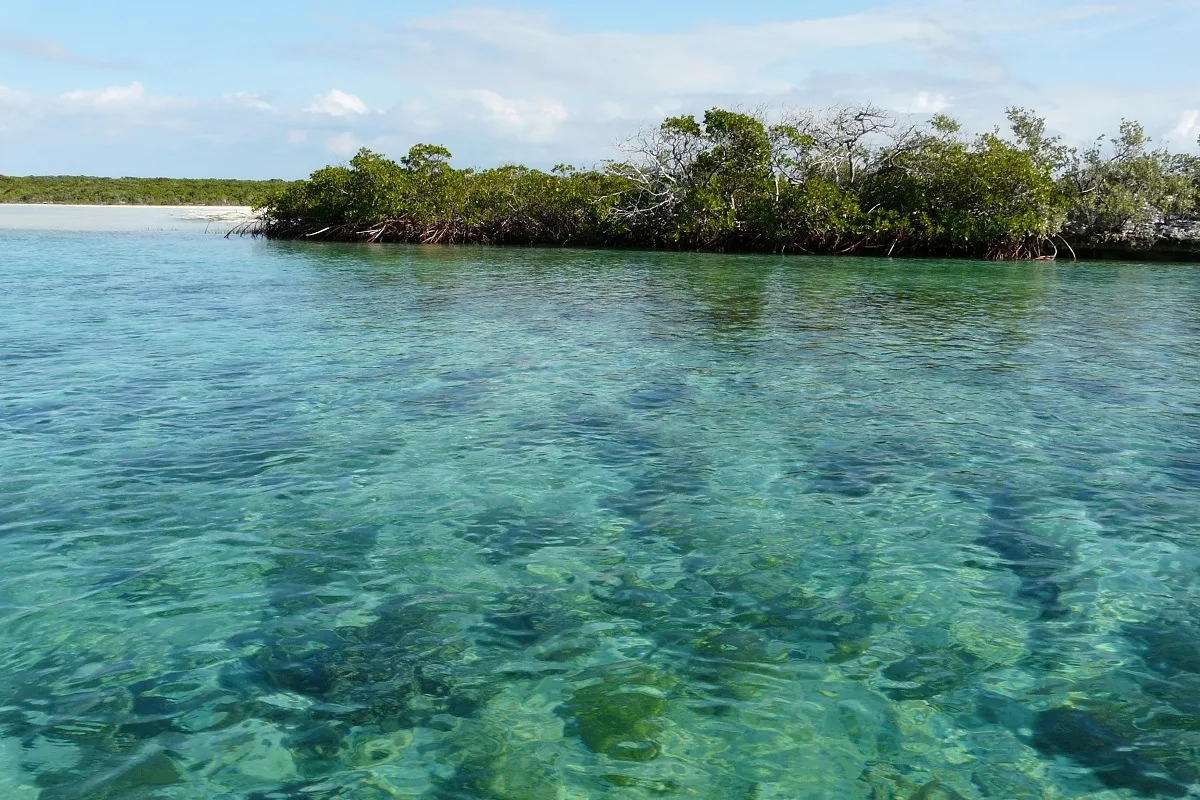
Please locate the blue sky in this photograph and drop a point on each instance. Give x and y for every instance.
(264, 89)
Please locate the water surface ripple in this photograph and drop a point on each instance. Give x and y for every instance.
(285, 521)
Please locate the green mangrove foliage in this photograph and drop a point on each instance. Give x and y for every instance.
(842, 180)
(424, 199)
(82, 190)
(1122, 189)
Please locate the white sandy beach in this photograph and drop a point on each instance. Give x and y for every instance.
(41, 216)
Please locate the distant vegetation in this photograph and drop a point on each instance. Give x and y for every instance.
(135, 191)
(842, 180)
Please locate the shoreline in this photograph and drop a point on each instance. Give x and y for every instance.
(242, 220)
(1162, 251)
(247, 210)
(83, 217)
(122, 205)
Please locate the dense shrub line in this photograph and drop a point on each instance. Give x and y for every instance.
(842, 180)
(83, 190)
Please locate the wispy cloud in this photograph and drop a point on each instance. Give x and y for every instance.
(244, 99)
(925, 103)
(535, 120)
(526, 76)
(132, 96)
(13, 97)
(337, 103)
(520, 51)
(343, 144)
(525, 51)
(56, 52)
(1188, 128)
(500, 82)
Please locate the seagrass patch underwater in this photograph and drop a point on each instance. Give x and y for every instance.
(335, 521)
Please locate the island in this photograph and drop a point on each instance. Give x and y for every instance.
(843, 180)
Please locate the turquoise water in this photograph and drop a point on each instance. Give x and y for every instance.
(285, 521)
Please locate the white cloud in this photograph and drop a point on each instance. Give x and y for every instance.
(14, 97)
(528, 49)
(113, 95)
(925, 103)
(131, 96)
(495, 81)
(336, 103)
(418, 115)
(248, 100)
(531, 120)
(1082, 112)
(1189, 126)
(520, 52)
(523, 52)
(343, 144)
(497, 84)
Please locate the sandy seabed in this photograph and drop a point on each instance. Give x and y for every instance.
(215, 219)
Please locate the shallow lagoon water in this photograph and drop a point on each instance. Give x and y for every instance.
(313, 521)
